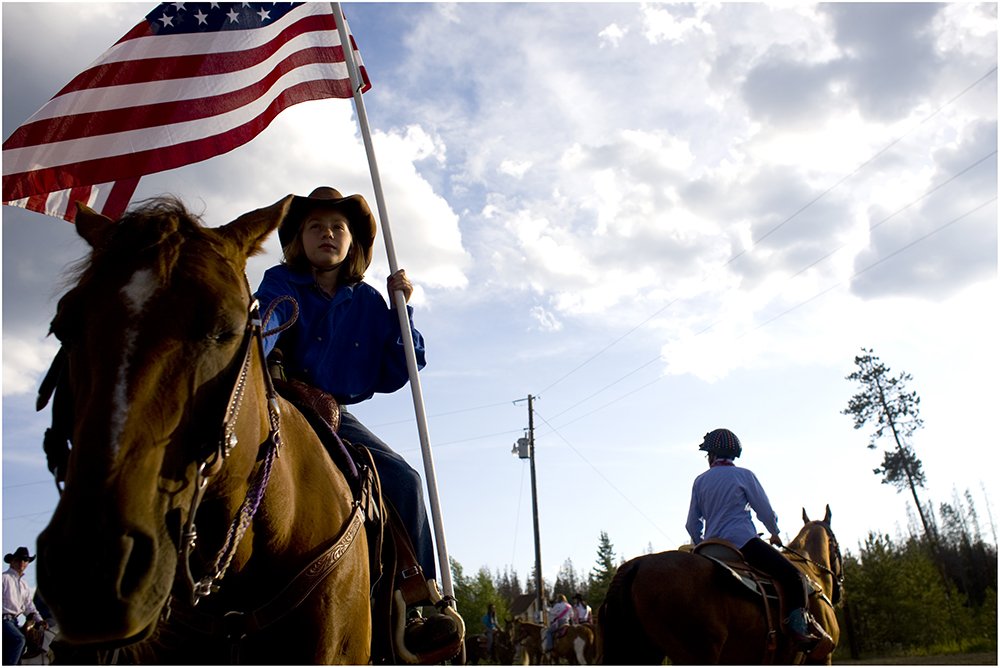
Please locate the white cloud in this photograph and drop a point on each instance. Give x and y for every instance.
(664, 23)
(24, 362)
(514, 168)
(612, 35)
(547, 321)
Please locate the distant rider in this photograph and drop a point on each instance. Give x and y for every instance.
(560, 615)
(721, 498)
(16, 602)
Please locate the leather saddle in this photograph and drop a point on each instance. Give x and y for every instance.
(728, 557)
(731, 560)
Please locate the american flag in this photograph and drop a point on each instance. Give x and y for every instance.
(189, 82)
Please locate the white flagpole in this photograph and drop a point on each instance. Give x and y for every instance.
(399, 301)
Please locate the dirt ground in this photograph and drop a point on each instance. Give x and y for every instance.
(977, 659)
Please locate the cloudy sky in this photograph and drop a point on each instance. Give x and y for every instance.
(657, 219)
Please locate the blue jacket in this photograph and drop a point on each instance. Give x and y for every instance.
(349, 345)
(722, 496)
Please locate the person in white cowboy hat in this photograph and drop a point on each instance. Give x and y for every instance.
(16, 602)
(721, 499)
(346, 340)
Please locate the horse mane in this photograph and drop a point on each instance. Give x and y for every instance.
(161, 224)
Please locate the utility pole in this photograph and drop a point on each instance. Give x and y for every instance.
(525, 449)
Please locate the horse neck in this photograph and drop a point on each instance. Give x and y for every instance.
(305, 499)
(814, 543)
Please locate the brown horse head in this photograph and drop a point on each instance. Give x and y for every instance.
(817, 539)
(152, 329)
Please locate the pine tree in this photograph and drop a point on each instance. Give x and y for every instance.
(884, 402)
(567, 581)
(603, 571)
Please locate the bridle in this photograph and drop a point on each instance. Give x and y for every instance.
(213, 459)
(838, 576)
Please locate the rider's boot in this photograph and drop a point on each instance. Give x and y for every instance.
(798, 627)
(432, 634)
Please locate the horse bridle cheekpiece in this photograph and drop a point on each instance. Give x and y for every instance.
(213, 459)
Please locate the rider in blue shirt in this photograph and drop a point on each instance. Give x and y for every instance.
(721, 498)
(346, 340)
(348, 345)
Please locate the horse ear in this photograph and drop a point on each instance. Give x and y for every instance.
(250, 230)
(826, 518)
(805, 518)
(90, 225)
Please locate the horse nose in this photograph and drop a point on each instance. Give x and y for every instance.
(99, 584)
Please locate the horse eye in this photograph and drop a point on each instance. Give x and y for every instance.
(223, 336)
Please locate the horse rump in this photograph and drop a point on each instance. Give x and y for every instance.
(620, 640)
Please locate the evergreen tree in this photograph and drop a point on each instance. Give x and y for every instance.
(603, 572)
(567, 581)
(896, 600)
(885, 403)
(508, 585)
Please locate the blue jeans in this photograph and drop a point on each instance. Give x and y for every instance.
(400, 484)
(13, 643)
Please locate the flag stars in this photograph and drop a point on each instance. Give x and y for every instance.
(172, 18)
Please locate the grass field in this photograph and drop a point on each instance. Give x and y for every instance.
(976, 659)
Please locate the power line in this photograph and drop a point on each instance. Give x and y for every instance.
(783, 313)
(445, 414)
(604, 477)
(861, 166)
(781, 224)
(897, 212)
(769, 320)
(605, 348)
(28, 484)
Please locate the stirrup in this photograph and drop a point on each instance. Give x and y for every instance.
(450, 646)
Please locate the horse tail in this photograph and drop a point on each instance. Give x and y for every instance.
(616, 619)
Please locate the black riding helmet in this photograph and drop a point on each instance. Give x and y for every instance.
(722, 443)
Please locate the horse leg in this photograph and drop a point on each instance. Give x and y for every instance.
(578, 646)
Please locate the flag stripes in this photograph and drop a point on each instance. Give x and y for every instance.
(161, 100)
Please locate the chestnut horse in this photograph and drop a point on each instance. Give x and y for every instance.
(201, 519)
(687, 607)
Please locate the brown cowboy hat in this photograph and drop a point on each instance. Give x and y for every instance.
(354, 207)
(20, 553)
